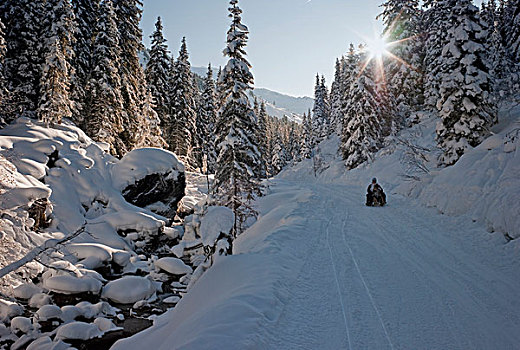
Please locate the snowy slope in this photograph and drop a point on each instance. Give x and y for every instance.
(321, 270)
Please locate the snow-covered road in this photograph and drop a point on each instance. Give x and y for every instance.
(319, 270)
(397, 277)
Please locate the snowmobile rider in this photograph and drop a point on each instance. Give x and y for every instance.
(375, 188)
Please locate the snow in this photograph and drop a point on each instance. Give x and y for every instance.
(78, 331)
(217, 220)
(138, 163)
(128, 289)
(26, 291)
(321, 270)
(48, 312)
(173, 265)
(46, 343)
(67, 284)
(21, 324)
(9, 309)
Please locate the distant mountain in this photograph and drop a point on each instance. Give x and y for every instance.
(277, 104)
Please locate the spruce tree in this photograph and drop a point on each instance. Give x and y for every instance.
(261, 133)
(336, 98)
(25, 53)
(54, 98)
(206, 120)
(437, 20)
(238, 165)
(181, 131)
(157, 73)
(137, 114)
(403, 78)
(86, 13)
(104, 122)
(306, 140)
(321, 110)
(465, 106)
(362, 127)
(513, 8)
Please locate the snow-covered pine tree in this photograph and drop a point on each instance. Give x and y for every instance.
(261, 132)
(137, 114)
(349, 76)
(279, 160)
(86, 13)
(320, 117)
(181, 132)
(238, 165)
(336, 97)
(362, 129)
(465, 106)
(403, 74)
(25, 55)
(514, 29)
(157, 73)
(306, 147)
(206, 119)
(104, 121)
(55, 101)
(437, 20)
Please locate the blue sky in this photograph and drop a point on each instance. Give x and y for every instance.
(290, 40)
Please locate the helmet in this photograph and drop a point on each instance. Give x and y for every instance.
(374, 180)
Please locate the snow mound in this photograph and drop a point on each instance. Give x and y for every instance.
(128, 290)
(67, 284)
(78, 331)
(138, 163)
(173, 265)
(217, 220)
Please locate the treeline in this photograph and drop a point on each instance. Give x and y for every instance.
(447, 57)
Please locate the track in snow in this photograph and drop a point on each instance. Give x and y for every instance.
(397, 277)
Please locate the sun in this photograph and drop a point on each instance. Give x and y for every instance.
(377, 48)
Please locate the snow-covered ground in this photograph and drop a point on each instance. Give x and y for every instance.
(319, 270)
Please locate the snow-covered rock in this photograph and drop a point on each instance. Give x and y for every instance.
(78, 331)
(39, 300)
(48, 312)
(26, 291)
(173, 266)
(128, 289)
(67, 284)
(46, 343)
(9, 309)
(21, 324)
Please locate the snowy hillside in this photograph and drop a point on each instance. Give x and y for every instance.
(319, 269)
(86, 247)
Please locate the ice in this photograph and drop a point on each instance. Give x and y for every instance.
(217, 220)
(128, 289)
(173, 265)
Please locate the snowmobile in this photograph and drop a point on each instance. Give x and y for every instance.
(377, 198)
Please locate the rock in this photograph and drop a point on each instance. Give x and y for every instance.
(160, 192)
(38, 212)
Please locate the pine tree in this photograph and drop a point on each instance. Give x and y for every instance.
(104, 122)
(362, 130)
(25, 55)
(238, 165)
(54, 99)
(181, 131)
(207, 118)
(157, 73)
(306, 140)
(437, 20)
(336, 97)
(86, 13)
(261, 132)
(465, 107)
(404, 80)
(514, 29)
(279, 160)
(137, 114)
(321, 117)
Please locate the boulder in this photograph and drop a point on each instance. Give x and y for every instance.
(159, 192)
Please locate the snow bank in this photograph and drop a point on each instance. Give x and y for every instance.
(239, 292)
